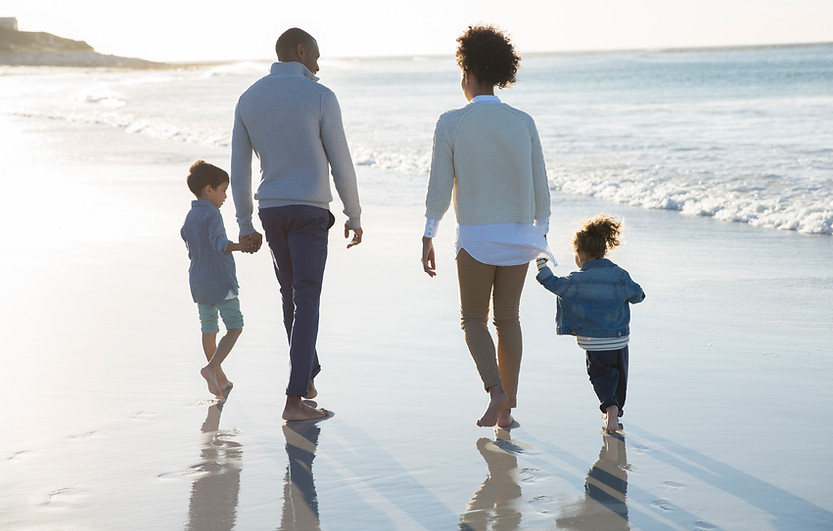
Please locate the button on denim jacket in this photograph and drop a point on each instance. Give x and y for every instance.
(593, 302)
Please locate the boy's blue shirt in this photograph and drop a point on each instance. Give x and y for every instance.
(212, 273)
(593, 302)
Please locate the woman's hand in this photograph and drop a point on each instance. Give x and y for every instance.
(428, 263)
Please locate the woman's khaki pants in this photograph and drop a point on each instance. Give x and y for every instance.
(479, 283)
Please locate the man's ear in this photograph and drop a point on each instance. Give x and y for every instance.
(300, 50)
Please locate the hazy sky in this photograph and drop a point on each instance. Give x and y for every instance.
(182, 30)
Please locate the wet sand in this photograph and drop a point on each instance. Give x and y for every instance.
(108, 424)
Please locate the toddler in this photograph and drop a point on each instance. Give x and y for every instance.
(593, 305)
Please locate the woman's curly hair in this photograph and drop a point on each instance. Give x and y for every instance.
(488, 53)
(598, 235)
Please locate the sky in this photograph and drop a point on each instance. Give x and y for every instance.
(206, 30)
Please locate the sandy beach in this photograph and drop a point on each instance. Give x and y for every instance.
(108, 424)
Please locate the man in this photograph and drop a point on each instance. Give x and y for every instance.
(294, 126)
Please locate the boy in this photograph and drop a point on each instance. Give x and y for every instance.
(593, 306)
(212, 273)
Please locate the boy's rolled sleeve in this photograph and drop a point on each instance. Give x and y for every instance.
(217, 233)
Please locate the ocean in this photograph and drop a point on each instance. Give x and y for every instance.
(742, 135)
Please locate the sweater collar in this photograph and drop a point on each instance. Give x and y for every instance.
(485, 98)
(291, 68)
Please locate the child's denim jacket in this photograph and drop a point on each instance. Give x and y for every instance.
(593, 302)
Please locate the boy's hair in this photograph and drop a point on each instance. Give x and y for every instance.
(289, 40)
(202, 174)
(488, 53)
(597, 235)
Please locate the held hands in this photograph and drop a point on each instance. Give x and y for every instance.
(357, 235)
(429, 264)
(251, 242)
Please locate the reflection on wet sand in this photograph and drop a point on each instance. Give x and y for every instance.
(495, 505)
(214, 493)
(605, 491)
(300, 502)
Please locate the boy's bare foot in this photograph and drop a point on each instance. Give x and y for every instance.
(312, 392)
(223, 382)
(295, 409)
(611, 419)
(211, 378)
(498, 400)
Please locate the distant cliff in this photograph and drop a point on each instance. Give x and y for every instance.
(36, 48)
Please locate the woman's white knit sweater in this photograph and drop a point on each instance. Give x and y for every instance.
(488, 158)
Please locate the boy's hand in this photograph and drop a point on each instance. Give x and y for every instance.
(251, 242)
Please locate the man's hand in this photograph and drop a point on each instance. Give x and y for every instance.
(251, 242)
(429, 265)
(357, 235)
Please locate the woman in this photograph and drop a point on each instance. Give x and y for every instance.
(487, 156)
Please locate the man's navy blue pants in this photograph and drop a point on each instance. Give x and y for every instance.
(297, 237)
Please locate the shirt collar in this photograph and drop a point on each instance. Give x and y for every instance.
(287, 68)
(202, 203)
(485, 98)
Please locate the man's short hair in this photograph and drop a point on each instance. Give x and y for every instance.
(202, 174)
(289, 41)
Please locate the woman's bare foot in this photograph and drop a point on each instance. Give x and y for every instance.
(498, 400)
(295, 409)
(312, 392)
(611, 419)
(211, 378)
(504, 418)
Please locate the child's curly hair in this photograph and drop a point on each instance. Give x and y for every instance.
(488, 53)
(598, 235)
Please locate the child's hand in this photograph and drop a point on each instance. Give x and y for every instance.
(251, 242)
(541, 263)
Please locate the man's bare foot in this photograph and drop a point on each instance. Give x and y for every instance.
(211, 378)
(611, 419)
(295, 409)
(498, 401)
(312, 392)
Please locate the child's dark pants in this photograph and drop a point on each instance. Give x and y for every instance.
(608, 372)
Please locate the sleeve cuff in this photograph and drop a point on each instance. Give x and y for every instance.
(431, 226)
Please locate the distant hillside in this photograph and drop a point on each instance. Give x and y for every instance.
(37, 48)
